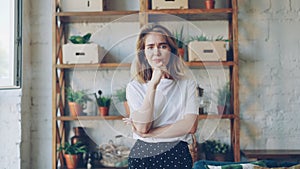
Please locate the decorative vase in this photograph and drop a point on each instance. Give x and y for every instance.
(126, 108)
(75, 109)
(71, 160)
(103, 111)
(209, 4)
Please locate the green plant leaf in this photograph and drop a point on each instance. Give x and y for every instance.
(77, 39)
(121, 94)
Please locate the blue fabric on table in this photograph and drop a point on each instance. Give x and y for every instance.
(273, 163)
(202, 164)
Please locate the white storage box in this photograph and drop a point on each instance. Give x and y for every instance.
(82, 53)
(207, 51)
(170, 4)
(81, 5)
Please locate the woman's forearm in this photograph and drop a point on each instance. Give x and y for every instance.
(142, 118)
(180, 128)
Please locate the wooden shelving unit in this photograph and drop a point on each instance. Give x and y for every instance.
(59, 19)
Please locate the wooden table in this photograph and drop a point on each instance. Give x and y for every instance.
(287, 155)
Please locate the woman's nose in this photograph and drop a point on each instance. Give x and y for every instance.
(157, 51)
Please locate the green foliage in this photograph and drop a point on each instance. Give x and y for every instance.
(77, 148)
(178, 35)
(121, 94)
(215, 147)
(223, 94)
(202, 37)
(102, 101)
(199, 38)
(77, 39)
(79, 97)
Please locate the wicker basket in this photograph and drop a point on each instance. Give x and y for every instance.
(194, 149)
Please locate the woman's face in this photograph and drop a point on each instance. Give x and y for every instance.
(157, 49)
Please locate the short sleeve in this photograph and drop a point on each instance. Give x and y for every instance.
(134, 96)
(191, 99)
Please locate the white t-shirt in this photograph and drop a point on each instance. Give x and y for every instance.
(173, 99)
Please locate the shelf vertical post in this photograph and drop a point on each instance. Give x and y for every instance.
(54, 83)
(236, 125)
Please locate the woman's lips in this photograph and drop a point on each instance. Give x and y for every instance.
(156, 60)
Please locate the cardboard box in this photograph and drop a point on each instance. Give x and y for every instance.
(170, 4)
(81, 5)
(82, 53)
(207, 51)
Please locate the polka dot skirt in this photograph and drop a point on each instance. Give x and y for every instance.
(174, 155)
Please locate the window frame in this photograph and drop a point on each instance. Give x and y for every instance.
(17, 49)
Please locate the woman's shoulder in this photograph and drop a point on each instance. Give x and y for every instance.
(134, 84)
(188, 81)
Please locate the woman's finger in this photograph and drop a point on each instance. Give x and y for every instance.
(127, 121)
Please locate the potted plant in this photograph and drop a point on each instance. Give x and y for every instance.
(179, 39)
(77, 101)
(72, 153)
(203, 48)
(103, 103)
(81, 50)
(223, 97)
(215, 150)
(121, 96)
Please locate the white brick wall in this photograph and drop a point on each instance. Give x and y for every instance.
(269, 91)
(269, 66)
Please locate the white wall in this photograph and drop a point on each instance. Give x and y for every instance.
(269, 74)
(269, 78)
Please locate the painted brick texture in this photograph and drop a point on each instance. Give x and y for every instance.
(269, 48)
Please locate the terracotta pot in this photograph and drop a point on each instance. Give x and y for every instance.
(75, 109)
(126, 108)
(103, 111)
(71, 160)
(221, 109)
(181, 52)
(209, 4)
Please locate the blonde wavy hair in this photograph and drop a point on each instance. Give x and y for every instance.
(141, 70)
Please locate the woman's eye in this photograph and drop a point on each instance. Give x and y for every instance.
(149, 47)
(163, 46)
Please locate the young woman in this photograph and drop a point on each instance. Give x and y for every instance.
(162, 103)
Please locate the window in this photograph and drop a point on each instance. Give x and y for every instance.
(10, 43)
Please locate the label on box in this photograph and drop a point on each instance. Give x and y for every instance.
(207, 51)
(170, 4)
(81, 5)
(82, 53)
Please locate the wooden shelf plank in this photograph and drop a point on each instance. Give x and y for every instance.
(190, 11)
(127, 65)
(71, 118)
(283, 154)
(210, 63)
(93, 66)
(224, 116)
(192, 14)
(103, 16)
